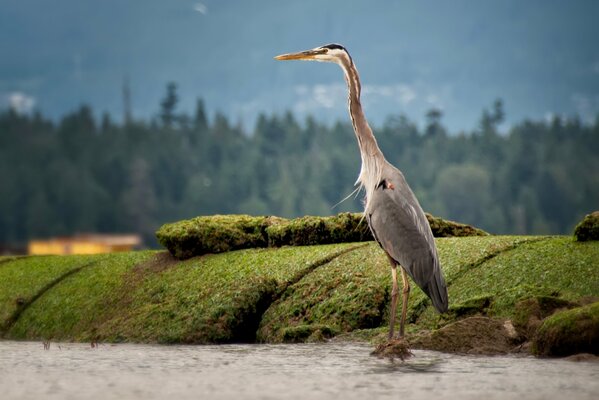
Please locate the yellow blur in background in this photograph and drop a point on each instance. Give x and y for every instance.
(84, 244)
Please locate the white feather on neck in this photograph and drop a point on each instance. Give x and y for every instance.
(372, 158)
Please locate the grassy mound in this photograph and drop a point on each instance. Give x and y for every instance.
(76, 304)
(351, 292)
(588, 228)
(291, 294)
(23, 280)
(221, 233)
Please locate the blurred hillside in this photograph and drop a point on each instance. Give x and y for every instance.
(86, 173)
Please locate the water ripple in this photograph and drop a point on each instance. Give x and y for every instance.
(315, 371)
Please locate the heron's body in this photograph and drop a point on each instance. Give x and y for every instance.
(399, 225)
(393, 213)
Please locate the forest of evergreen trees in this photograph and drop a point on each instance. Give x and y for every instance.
(89, 174)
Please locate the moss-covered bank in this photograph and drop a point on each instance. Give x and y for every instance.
(221, 233)
(302, 293)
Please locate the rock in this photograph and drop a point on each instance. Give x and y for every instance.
(214, 234)
(221, 233)
(588, 228)
(445, 228)
(394, 348)
(473, 335)
(470, 307)
(308, 230)
(529, 313)
(569, 332)
(307, 333)
(583, 357)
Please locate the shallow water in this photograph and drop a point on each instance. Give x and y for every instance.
(306, 371)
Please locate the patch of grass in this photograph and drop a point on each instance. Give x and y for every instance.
(353, 291)
(550, 267)
(281, 294)
(348, 293)
(212, 299)
(21, 279)
(72, 309)
(458, 257)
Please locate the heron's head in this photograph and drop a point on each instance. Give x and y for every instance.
(327, 53)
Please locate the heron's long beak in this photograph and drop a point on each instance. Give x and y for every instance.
(302, 55)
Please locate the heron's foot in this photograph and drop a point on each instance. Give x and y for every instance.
(393, 348)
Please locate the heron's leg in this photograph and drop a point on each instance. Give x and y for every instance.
(404, 301)
(394, 296)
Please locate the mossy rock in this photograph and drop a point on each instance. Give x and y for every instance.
(569, 332)
(588, 228)
(473, 335)
(221, 233)
(473, 306)
(445, 228)
(393, 348)
(308, 333)
(309, 230)
(529, 313)
(214, 234)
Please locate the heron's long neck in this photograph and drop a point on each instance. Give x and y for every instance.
(372, 157)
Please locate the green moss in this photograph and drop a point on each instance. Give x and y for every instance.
(212, 299)
(350, 292)
(298, 232)
(569, 332)
(588, 228)
(302, 293)
(446, 228)
(459, 257)
(341, 228)
(72, 309)
(476, 305)
(543, 268)
(307, 333)
(221, 233)
(529, 313)
(214, 234)
(23, 278)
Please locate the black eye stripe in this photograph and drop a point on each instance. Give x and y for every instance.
(334, 46)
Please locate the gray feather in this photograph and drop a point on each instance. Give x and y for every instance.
(401, 228)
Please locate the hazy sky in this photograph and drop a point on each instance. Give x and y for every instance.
(540, 57)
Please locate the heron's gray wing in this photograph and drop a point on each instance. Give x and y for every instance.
(401, 228)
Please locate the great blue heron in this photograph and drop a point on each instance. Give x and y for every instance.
(393, 213)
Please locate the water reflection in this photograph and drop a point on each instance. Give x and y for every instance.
(420, 363)
(314, 371)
